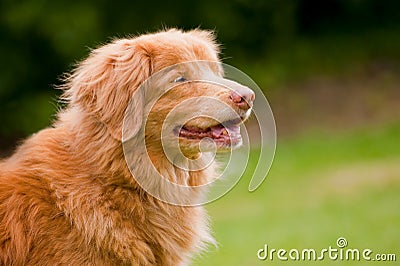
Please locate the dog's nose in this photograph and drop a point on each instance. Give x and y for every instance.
(242, 97)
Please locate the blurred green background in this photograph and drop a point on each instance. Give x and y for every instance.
(330, 70)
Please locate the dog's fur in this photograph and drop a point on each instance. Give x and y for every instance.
(67, 195)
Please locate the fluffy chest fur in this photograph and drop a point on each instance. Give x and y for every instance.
(67, 209)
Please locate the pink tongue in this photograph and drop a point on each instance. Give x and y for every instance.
(217, 131)
(228, 133)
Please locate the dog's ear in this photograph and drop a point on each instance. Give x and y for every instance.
(105, 85)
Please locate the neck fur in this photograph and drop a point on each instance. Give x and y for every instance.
(150, 167)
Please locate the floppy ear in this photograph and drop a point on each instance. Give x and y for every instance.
(106, 81)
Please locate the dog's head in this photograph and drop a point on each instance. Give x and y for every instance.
(196, 100)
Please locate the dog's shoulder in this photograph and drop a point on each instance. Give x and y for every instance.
(27, 203)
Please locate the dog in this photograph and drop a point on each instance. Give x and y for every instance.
(68, 195)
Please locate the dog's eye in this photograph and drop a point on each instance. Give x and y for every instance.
(180, 79)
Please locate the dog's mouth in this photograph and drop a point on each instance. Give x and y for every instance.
(224, 134)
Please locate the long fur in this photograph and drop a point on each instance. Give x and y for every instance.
(67, 195)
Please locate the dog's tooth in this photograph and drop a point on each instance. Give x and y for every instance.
(225, 132)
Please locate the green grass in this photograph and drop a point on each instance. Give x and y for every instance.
(321, 187)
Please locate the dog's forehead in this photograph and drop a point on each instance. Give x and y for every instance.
(198, 68)
(171, 53)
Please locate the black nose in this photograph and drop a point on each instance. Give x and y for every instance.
(242, 97)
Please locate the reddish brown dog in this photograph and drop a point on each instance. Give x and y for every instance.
(67, 196)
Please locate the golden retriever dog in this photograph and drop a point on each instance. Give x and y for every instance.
(68, 196)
